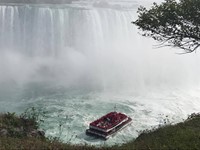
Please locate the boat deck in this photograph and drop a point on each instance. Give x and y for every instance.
(109, 121)
(108, 125)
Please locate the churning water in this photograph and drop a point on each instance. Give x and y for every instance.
(76, 63)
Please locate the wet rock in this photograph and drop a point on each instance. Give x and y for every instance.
(36, 133)
(41, 133)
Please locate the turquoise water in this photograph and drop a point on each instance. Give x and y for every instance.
(67, 113)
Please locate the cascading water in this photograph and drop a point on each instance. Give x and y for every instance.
(77, 63)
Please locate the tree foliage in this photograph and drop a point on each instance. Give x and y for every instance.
(172, 23)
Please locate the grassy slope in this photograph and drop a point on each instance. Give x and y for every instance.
(185, 135)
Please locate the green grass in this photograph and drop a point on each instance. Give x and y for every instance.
(182, 136)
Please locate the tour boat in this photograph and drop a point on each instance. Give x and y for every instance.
(108, 125)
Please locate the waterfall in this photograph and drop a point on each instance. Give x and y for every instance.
(88, 46)
(93, 46)
(42, 31)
